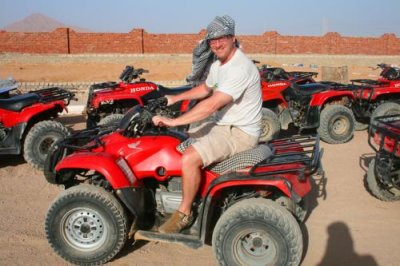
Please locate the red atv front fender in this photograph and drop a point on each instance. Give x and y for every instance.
(103, 163)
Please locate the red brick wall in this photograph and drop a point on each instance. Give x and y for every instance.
(64, 41)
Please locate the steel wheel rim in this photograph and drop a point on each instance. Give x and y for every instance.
(340, 126)
(45, 145)
(265, 128)
(84, 229)
(255, 247)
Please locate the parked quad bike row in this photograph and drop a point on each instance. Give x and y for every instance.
(334, 110)
(122, 177)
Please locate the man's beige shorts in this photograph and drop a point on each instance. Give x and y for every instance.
(216, 143)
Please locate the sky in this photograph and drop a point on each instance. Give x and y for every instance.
(361, 18)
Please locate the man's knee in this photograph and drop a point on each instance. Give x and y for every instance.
(191, 158)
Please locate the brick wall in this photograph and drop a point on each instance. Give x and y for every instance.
(67, 41)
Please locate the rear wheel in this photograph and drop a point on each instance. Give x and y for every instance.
(257, 232)
(270, 125)
(388, 108)
(86, 225)
(39, 140)
(336, 124)
(378, 189)
(359, 126)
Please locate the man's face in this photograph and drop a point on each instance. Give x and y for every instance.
(223, 47)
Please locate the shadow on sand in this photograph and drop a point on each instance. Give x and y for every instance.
(340, 249)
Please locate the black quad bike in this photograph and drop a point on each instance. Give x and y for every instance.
(27, 123)
(122, 184)
(383, 177)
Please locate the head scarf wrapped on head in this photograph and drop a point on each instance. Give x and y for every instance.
(220, 26)
(203, 57)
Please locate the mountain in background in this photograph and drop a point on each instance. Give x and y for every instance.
(39, 23)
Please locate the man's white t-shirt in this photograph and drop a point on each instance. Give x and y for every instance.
(240, 79)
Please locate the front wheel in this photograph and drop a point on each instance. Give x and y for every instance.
(257, 232)
(336, 124)
(111, 120)
(387, 108)
(86, 225)
(39, 140)
(360, 126)
(377, 189)
(270, 125)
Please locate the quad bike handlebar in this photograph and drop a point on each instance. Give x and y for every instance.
(139, 119)
(130, 73)
(389, 72)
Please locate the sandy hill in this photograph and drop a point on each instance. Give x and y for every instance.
(39, 23)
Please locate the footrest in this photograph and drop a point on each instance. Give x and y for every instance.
(187, 240)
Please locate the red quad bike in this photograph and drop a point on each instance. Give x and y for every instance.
(274, 80)
(383, 177)
(26, 121)
(107, 102)
(324, 106)
(377, 97)
(124, 184)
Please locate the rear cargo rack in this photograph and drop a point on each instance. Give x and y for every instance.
(387, 126)
(368, 82)
(53, 94)
(296, 154)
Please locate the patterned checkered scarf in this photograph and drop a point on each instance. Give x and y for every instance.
(203, 57)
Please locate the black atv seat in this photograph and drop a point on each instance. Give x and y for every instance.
(172, 91)
(312, 88)
(17, 103)
(238, 161)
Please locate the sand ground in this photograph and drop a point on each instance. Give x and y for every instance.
(347, 226)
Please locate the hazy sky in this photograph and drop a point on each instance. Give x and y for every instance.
(369, 18)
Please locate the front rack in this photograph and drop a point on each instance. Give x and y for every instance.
(54, 94)
(297, 154)
(302, 74)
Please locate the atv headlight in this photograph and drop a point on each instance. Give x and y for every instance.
(126, 169)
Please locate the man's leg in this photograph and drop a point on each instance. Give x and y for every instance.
(191, 178)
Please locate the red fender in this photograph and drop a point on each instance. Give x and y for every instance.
(11, 118)
(386, 91)
(115, 98)
(103, 163)
(320, 99)
(279, 184)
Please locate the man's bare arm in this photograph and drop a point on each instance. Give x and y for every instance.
(199, 92)
(200, 111)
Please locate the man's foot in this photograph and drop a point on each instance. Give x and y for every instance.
(176, 223)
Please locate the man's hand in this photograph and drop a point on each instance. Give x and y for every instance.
(171, 99)
(163, 121)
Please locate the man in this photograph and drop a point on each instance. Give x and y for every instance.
(232, 94)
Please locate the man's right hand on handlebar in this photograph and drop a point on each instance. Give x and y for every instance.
(163, 121)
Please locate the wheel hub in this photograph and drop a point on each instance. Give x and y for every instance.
(339, 126)
(258, 244)
(265, 128)
(45, 145)
(84, 228)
